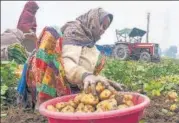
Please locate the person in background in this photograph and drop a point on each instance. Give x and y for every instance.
(17, 44)
(27, 24)
(66, 61)
(11, 46)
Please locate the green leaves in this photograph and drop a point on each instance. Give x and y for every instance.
(4, 88)
(8, 77)
(150, 77)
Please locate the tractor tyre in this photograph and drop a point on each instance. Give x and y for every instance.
(145, 56)
(121, 52)
(156, 60)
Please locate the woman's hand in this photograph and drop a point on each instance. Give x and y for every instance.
(92, 80)
(111, 85)
(116, 85)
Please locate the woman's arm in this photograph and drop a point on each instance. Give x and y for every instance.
(74, 72)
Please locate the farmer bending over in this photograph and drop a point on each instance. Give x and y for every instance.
(67, 60)
(27, 24)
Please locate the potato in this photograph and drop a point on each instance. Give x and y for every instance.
(123, 106)
(72, 103)
(173, 107)
(99, 110)
(96, 101)
(77, 99)
(51, 108)
(105, 100)
(172, 95)
(80, 107)
(113, 101)
(68, 109)
(60, 105)
(112, 96)
(127, 97)
(107, 105)
(89, 99)
(105, 94)
(99, 87)
(89, 108)
(129, 103)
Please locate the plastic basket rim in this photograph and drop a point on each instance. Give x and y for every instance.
(94, 115)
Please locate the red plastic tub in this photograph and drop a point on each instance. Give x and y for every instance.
(129, 115)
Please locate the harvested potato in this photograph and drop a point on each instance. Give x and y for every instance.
(72, 103)
(89, 99)
(129, 103)
(80, 107)
(77, 99)
(172, 95)
(127, 97)
(112, 101)
(105, 100)
(107, 105)
(112, 96)
(123, 106)
(68, 109)
(51, 108)
(105, 94)
(99, 87)
(173, 107)
(60, 105)
(99, 110)
(89, 108)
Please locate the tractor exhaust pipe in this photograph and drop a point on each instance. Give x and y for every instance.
(148, 22)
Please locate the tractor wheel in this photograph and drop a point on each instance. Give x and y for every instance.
(156, 60)
(145, 56)
(121, 52)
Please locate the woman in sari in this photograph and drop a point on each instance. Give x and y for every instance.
(16, 44)
(66, 60)
(27, 24)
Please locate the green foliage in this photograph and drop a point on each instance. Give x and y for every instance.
(8, 76)
(4, 89)
(150, 77)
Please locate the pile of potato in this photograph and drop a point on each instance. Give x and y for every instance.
(87, 102)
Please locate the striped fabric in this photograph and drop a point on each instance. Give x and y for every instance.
(43, 74)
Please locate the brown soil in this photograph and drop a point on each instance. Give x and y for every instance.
(15, 115)
(153, 114)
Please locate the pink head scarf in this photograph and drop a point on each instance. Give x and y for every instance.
(27, 19)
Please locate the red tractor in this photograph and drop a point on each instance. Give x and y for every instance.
(129, 46)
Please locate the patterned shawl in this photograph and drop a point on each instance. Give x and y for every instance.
(85, 31)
